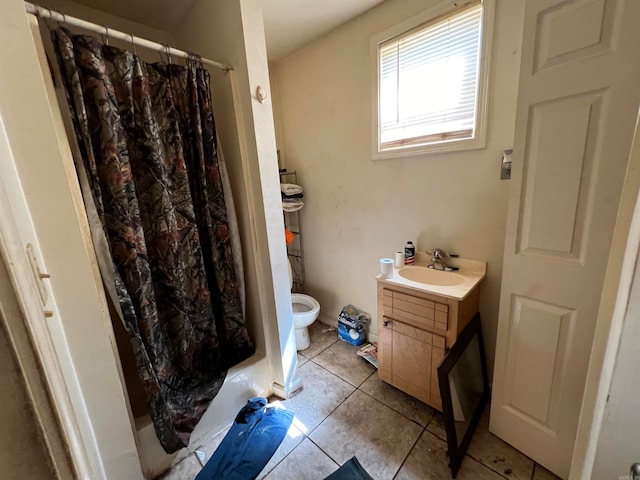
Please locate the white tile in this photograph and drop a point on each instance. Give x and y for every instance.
(399, 401)
(321, 393)
(436, 425)
(211, 445)
(342, 359)
(497, 454)
(306, 462)
(365, 428)
(428, 461)
(321, 336)
(302, 360)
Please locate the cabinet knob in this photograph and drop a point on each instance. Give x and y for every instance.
(385, 323)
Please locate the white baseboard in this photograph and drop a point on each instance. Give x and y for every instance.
(284, 393)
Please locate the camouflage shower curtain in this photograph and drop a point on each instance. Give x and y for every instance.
(147, 139)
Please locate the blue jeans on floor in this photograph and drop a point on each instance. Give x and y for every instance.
(252, 440)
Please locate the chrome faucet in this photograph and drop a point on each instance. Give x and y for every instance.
(437, 260)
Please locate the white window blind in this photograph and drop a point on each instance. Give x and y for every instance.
(429, 82)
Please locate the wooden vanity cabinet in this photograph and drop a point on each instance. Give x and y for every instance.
(415, 329)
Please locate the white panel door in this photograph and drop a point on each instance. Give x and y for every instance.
(577, 105)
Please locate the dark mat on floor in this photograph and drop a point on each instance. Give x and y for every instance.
(252, 440)
(350, 470)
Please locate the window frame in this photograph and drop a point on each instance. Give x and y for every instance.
(435, 13)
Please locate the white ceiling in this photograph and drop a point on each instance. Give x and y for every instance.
(288, 24)
(291, 24)
(160, 14)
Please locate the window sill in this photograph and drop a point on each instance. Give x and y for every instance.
(426, 150)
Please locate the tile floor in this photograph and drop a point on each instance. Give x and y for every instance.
(344, 410)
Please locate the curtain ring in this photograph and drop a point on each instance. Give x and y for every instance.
(106, 35)
(193, 59)
(133, 44)
(47, 21)
(167, 51)
(197, 59)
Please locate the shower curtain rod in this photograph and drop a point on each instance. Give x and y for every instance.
(43, 12)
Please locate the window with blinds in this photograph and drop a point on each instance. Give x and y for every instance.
(428, 82)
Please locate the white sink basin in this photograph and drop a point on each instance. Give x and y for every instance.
(430, 276)
(455, 285)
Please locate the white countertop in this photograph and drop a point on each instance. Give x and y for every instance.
(473, 271)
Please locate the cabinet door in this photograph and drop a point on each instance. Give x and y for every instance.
(411, 365)
(385, 349)
(437, 354)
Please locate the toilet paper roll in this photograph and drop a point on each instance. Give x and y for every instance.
(386, 267)
(399, 259)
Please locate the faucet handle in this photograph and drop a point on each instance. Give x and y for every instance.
(437, 253)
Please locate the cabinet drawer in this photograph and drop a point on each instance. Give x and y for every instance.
(415, 311)
(415, 300)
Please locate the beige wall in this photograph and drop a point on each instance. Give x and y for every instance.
(358, 210)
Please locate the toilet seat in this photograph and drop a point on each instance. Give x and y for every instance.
(304, 318)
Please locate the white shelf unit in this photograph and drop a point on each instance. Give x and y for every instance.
(294, 250)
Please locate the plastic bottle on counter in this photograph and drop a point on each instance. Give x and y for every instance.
(409, 253)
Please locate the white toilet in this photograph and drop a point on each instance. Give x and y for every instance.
(305, 312)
